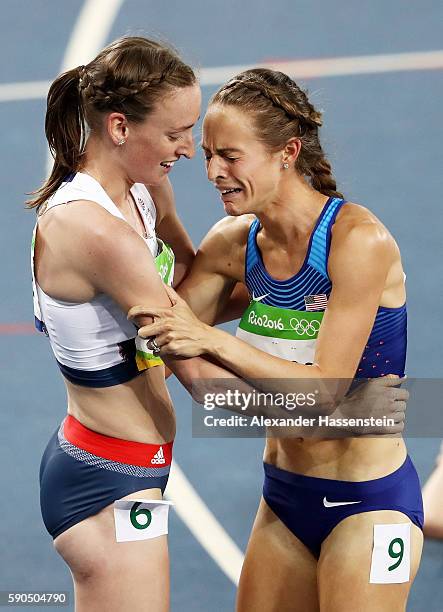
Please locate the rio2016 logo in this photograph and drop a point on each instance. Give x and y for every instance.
(163, 271)
(300, 326)
(265, 321)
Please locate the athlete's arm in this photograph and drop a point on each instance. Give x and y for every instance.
(210, 288)
(230, 300)
(238, 302)
(114, 259)
(171, 230)
(345, 328)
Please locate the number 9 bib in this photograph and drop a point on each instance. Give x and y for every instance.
(391, 555)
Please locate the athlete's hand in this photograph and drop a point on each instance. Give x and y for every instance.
(378, 398)
(176, 329)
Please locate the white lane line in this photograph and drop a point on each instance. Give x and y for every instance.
(335, 66)
(90, 32)
(88, 37)
(203, 525)
(297, 69)
(30, 90)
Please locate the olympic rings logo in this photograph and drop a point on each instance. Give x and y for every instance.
(303, 326)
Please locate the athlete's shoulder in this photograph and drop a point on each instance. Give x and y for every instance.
(82, 217)
(357, 227)
(229, 229)
(222, 249)
(359, 238)
(83, 231)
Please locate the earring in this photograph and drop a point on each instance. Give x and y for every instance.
(285, 165)
(121, 142)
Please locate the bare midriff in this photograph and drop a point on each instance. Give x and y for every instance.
(352, 459)
(139, 410)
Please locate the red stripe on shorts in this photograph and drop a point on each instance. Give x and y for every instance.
(114, 449)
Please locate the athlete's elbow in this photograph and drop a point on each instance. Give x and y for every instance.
(329, 389)
(323, 407)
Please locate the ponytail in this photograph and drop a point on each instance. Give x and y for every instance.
(322, 179)
(65, 132)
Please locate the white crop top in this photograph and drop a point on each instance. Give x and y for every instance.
(93, 342)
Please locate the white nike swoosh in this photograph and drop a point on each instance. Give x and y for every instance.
(328, 504)
(259, 299)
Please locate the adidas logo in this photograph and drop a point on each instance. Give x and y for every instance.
(158, 458)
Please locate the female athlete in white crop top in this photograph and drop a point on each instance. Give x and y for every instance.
(113, 126)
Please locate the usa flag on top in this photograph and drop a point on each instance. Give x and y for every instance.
(316, 302)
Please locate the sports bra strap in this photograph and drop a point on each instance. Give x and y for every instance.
(321, 238)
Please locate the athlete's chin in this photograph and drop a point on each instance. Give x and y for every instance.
(154, 181)
(232, 210)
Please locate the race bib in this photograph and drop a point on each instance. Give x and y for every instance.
(140, 519)
(144, 356)
(164, 263)
(391, 554)
(288, 334)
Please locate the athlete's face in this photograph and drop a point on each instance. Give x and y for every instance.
(239, 165)
(153, 146)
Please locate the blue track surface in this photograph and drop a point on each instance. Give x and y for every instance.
(383, 135)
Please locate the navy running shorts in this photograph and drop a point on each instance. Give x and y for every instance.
(311, 507)
(82, 472)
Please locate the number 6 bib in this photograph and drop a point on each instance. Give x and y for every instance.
(140, 519)
(391, 555)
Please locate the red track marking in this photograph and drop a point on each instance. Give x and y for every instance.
(17, 329)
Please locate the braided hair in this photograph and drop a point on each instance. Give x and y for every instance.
(281, 110)
(129, 76)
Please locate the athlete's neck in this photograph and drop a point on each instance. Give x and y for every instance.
(103, 166)
(291, 216)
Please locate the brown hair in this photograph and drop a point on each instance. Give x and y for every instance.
(128, 76)
(281, 110)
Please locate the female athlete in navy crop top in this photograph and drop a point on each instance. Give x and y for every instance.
(340, 519)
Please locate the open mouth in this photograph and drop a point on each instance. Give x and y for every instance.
(168, 164)
(230, 190)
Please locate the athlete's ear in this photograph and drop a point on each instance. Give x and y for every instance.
(117, 128)
(291, 151)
